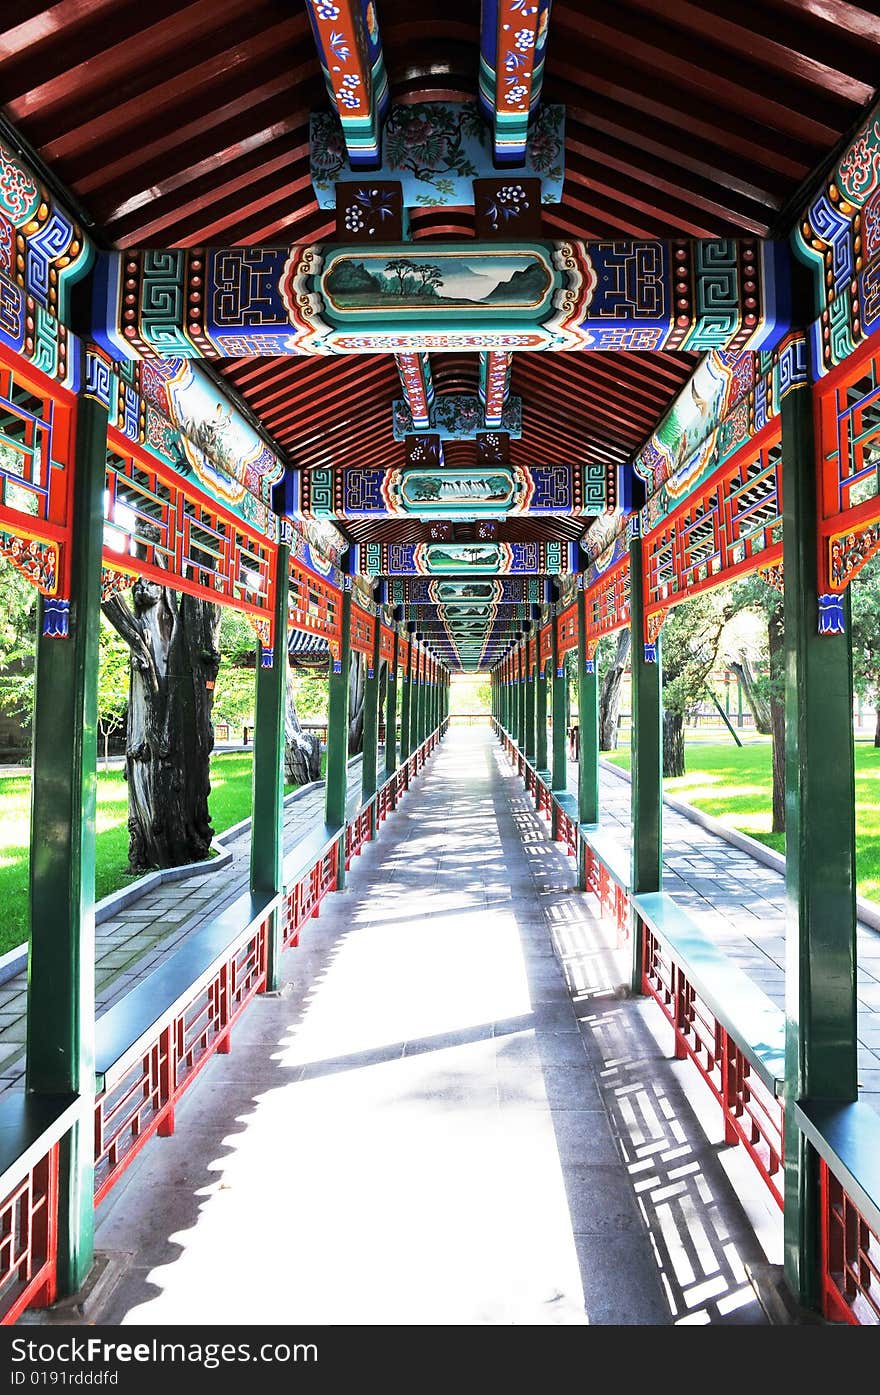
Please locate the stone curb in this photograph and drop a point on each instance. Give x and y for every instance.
(868, 913)
(15, 960)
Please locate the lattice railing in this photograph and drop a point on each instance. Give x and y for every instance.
(850, 1257)
(752, 1113)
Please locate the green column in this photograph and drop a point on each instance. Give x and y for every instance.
(529, 747)
(558, 686)
(267, 827)
(337, 732)
(415, 704)
(61, 951)
(588, 724)
(391, 713)
(406, 705)
(521, 704)
(541, 683)
(820, 959)
(370, 763)
(588, 734)
(647, 754)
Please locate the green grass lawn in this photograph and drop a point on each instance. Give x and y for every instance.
(230, 801)
(733, 785)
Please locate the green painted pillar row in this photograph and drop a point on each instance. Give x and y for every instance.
(336, 791)
(267, 828)
(61, 948)
(391, 710)
(406, 699)
(820, 958)
(415, 710)
(646, 790)
(370, 764)
(588, 729)
(521, 696)
(531, 663)
(559, 702)
(541, 684)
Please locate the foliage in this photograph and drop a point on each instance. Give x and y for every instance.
(18, 621)
(754, 594)
(235, 691)
(865, 597)
(734, 784)
(311, 696)
(690, 644)
(230, 801)
(114, 664)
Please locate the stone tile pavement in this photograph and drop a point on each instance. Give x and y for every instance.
(473, 1124)
(149, 930)
(741, 903)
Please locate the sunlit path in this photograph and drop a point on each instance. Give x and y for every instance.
(428, 1125)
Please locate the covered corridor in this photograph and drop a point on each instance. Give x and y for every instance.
(408, 344)
(478, 1127)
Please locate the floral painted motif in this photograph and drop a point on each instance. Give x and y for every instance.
(19, 194)
(859, 170)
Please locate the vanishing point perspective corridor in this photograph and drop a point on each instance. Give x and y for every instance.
(475, 1122)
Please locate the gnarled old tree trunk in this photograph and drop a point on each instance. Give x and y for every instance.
(673, 744)
(174, 661)
(356, 695)
(609, 695)
(776, 642)
(302, 749)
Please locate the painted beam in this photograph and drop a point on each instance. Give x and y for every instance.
(513, 43)
(461, 156)
(457, 417)
(495, 370)
(339, 298)
(496, 491)
(418, 388)
(489, 559)
(350, 52)
(485, 591)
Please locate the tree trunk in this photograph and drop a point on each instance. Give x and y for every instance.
(609, 695)
(302, 749)
(758, 706)
(877, 723)
(382, 716)
(673, 744)
(169, 736)
(776, 643)
(356, 695)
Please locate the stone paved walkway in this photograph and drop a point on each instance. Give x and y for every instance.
(741, 903)
(450, 1112)
(153, 926)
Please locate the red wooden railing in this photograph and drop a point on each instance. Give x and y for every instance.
(752, 1113)
(850, 1257)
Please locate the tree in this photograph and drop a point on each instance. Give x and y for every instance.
(113, 681)
(173, 640)
(18, 619)
(612, 659)
(768, 691)
(235, 688)
(302, 749)
(356, 696)
(400, 268)
(691, 638)
(753, 691)
(865, 597)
